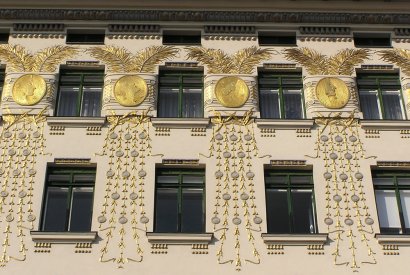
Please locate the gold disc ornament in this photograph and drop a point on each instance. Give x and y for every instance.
(332, 92)
(231, 91)
(29, 89)
(130, 90)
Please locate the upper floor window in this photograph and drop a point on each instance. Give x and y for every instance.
(290, 202)
(2, 76)
(180, 94)
(392, 192)
(85, 37)
(80, 93)
(277, 38)
(280, 95)
(380, 96)
(372, 40)
(68, 199)
(4, 36)
(181, 38)
(179, 201)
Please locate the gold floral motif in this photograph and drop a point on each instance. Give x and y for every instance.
(332, 93)
(29, 89)
(130, 90)
(231, 91)
(400, 57)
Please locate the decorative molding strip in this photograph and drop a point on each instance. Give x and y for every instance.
(200, 249)
(315, 249)
(392, 125)
(325, 30)
(198, 132)
(205, 16)
(303, 133)
(182, 64)
(180, 161)
(285, 123)
(75, 122)
(230, 29)
(179, 123)
(275, 249)
(42, 247)
(143, 28)
(394, 164)
(295, 239)
(326, 39)
(39, 35)
(401, 40)
(82, 63)
(63, 237)
(72, 161)
(288, 163)
(179, 238)
(402, 31)
(36, 27)
(377, 67)
(391, 243)
(279, 66)
(230, 38)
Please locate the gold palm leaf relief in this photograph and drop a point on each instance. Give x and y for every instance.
(314, 62)
(399, 57)
(117, 59)
(245, 60)
(48, 59)
(16, 57)
(216, 60)
(147, 60)
(344, 62)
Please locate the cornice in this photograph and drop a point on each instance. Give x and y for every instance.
(206, 16)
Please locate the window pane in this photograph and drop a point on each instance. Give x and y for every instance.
(275, 180)
(168, 102)
(55, 216)
(403, 181)
(81, 209)
(192, 218)
(172, 180)
(193, 180)
(67, 101)
(369, 104)
(166, 210)
(305, 180)
(277, 211)
(405, 204)
(269, 104)
(387, 210)
(293, 104)
(84, 178)
(59, 178)
(383, 181)
(392, 105)
(192, 103)
(91, 103)
(303, 214)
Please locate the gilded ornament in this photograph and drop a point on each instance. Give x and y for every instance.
(328, 221)
(257, 220)
(231, 91)
(226, 196)
(250, 175)
(241, 154)
(144, 219)
(31, 218)
(215, 220)
(7, 134)
(236, 221)
(36, 134)
(219, 137)
(247, 137)
(29, 89)
(369, 221)
(244, 196)
(130, 90)
(353, 138)
(332, 92)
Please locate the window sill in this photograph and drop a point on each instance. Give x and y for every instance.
(385, 124)
(180, 123)
(285, 123)
(63, 237)
(76, 122)
(393, 239)
(295, 239)
(179, 238)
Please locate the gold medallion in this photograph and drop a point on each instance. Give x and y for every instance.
(130, 90)
(29, 89)
(231, 91)
(332, 93)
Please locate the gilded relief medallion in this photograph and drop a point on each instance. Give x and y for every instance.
(29, 89)
(332, 92)
(130, 90)
(231, 91)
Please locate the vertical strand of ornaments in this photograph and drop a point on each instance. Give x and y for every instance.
(127, 144)
(21, 141)
(233, 146)
(347, 217)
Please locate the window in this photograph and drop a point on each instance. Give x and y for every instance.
(2, 76)
(392, 192)
(181, 38)
(372, 40)
(380, 96)
(85, 37)
(280, 96)
(68, 200)
(80, 93)
(180, 94)
(179, 201)
(277, 38)
(290, 202)
(4, 37)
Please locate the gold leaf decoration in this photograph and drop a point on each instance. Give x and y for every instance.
(218, 62)
(120, 60)
(342, 63)
(48, 59)
(18, 59)
(400, 57)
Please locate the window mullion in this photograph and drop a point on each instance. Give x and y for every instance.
(380, 97)
(80, 96)
(180, 95)
(399, 205)
(290, 205)
(281, 100)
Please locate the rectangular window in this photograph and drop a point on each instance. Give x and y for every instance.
(181, 38)
(179, 201)
(280, 96)
(80, 93)
(392, 192)
(290, 202)
(372, 40)
(277, 38)
(180, 94)
(380, 96)
(2, 76)
(4, 37)
(68, 200)
(85, 37)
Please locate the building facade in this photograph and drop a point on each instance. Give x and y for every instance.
(205, 138)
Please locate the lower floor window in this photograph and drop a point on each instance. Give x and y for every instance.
(68, 200)
(179, 201)
(290, 202)
(392, 192)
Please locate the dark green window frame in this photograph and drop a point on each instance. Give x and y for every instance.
(181, 81)
(92, 78)
(274, 81)
(289, 186)
(48, 223)
(379, 83)
(179, 187)
(394, 178)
